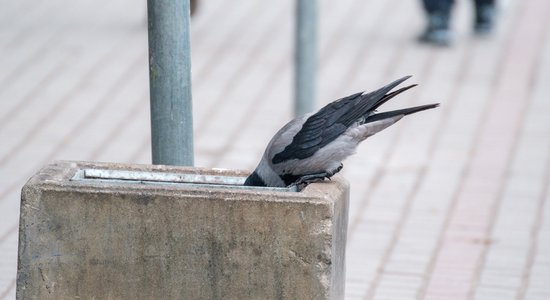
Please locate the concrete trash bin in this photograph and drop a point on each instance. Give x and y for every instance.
(114, 231)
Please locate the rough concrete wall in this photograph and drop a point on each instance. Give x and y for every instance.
(134, 241)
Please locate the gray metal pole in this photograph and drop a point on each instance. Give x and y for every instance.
(170, 82)
(305, 56)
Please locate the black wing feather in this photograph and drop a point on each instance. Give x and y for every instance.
(320, 127)
(405, 111)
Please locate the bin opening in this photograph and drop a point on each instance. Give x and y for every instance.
(152, 177)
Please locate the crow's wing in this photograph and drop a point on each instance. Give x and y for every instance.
(317, 131)
(334, 119)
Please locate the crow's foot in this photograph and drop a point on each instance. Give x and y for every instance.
(307, 179)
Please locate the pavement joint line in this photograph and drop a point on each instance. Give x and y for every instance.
(267, 88)
(420, 178)
(119, 127)
(535, 231)
(115, 88)
(33, 92)
(380, 172)
(324, 53)
(90, 72)
(478, 136)
(232, 81)
(506, 172)
(200, 18)
(515, 144)
(423, 288)
(233, 35)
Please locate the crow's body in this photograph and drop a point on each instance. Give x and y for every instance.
(313, 146)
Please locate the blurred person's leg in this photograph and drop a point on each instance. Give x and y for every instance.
(438, 29)
(484, 16)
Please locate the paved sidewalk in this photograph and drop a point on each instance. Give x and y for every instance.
(449, 204)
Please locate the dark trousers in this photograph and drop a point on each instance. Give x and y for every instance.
(445, 6)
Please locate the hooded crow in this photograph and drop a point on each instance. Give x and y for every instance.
(312, 147)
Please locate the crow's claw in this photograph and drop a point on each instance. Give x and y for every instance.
(307, 179)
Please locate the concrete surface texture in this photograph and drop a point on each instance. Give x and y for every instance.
(452, 204)
(100, 239)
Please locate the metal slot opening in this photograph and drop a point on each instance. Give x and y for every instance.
(141, 177)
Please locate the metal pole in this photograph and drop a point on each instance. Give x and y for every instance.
(305, 56)
(170, 82)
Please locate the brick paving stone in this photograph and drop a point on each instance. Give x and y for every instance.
(490, 164)
(536, 273)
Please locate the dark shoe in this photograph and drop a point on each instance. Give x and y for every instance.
(437, 32)
(194, 4)
(485, 18)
